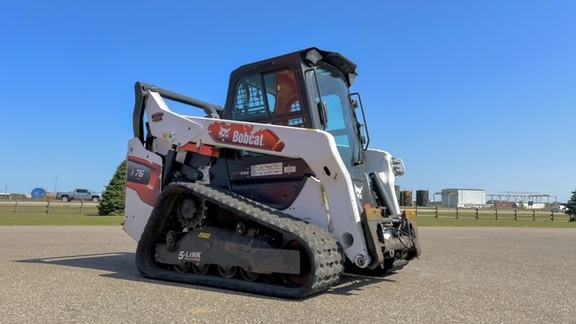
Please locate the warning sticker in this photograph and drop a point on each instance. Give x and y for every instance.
(267, 169)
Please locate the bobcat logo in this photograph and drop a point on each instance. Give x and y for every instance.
(358, 192)
(224, 133)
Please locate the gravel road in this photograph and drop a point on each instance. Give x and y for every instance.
(465, 275)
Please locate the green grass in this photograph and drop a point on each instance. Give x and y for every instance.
(69, 214)
(59, 220)
(79, 220)
(53, 213)
(429, 221)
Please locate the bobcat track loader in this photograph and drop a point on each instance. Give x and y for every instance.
(277, 193)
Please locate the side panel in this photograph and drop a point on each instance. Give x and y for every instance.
(311, 204)
(272, 180)
(381, 162)
(143, 181)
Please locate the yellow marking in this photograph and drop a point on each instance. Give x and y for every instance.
(204, 235)
(324, 196)
(411, 214)
(373, 214)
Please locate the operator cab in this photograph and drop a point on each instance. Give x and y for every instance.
(308, 89)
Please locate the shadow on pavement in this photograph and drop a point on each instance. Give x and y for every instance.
(352, 284)
(122, 265)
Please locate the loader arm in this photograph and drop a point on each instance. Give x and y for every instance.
(141, 93)
(319, 151)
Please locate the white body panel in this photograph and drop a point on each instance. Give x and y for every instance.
(381, 162)
(310, 204)
(138, 208)
(134, 221)
(317, 148)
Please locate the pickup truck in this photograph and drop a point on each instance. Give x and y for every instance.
(79, 194)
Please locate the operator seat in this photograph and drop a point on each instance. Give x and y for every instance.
(286, 92)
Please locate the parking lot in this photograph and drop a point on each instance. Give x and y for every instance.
(465, 275)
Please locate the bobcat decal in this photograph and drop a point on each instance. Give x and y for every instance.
(245, 135)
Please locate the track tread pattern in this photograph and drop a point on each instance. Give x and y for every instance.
(326, 261)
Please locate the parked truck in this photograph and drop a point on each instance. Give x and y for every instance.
(79, 194)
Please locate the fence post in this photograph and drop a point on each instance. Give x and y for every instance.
(416, 209)
(436, 211)
(81, 206)
(496, 209)
(457, 211)
(552, 216)
(16, 207)
(515, 214)
(48, 208)
(534, 214)
(477, 213)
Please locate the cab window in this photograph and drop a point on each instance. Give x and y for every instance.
(271, 97)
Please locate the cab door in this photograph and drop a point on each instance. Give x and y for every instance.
(272, 97)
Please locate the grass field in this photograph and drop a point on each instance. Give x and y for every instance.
(53, 213)
(452, 222)
(489, 217)
(38, 219)
(59, 220)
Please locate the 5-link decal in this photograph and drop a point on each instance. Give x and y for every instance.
(189, 256)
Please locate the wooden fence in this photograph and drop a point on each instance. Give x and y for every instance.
(51, 207)
(517, 214)
(47, 207)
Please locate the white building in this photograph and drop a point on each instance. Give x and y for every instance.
(463, 198)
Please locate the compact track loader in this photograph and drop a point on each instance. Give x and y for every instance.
(277, 193)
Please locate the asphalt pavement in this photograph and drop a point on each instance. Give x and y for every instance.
(464, 275)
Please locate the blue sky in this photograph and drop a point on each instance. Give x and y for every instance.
(470, 94)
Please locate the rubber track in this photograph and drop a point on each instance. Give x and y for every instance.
(325, 259)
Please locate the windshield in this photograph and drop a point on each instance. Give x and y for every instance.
(341, 118)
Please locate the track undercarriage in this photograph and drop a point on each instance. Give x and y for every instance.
(206, 236)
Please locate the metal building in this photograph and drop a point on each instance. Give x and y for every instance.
(463, 198)
(530, 200)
